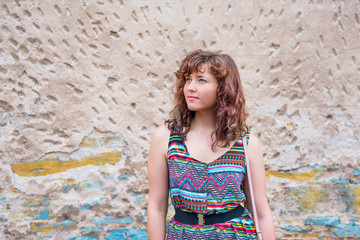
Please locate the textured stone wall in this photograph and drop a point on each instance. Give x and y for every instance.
(85, 83)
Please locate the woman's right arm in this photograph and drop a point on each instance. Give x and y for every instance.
(157, 172)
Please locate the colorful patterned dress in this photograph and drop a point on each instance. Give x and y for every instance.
(210, 188)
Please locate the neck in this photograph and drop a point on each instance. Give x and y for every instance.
(204, 121)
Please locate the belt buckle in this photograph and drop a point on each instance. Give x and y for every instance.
(201, 220)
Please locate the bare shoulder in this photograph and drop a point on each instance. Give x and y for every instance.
(255, 152)
(254, 141)
(162, 133)
(160, 140)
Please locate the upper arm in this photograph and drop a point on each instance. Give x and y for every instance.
(257, 169)
(157, 170)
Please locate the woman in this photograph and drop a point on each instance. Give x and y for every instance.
(198, 155)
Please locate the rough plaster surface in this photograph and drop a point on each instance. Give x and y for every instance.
(83, 84)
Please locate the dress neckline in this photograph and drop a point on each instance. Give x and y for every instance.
(187, 152)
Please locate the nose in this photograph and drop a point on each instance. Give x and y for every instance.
(191, 86)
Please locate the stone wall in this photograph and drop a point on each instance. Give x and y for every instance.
(85, 83)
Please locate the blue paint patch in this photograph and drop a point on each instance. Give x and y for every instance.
(323, 221)
(348, 230)
(135, 234)
(319, 167)
(296, 229)
(356, 172)
(322, 235)
(111, 219)
(86, 207)
(66, 222)
(92, 229)
(341, 180)
(84, 238)
(291, 143)
(139, 197)
(125, 176)
(41, 215)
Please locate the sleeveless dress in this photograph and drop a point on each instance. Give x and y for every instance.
(210, 188)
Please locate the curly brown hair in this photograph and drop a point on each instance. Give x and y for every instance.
(230, 105)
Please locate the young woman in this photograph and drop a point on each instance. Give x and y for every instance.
(198, 157)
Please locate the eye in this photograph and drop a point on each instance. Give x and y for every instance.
(187, 79)
(202, 80)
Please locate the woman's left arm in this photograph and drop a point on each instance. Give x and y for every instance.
(257, 168)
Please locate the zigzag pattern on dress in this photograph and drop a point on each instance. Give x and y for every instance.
(210, 188)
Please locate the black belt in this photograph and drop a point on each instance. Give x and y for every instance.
(201, 219)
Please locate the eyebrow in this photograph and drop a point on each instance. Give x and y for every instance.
(200, 75)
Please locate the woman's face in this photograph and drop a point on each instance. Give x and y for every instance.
(200, 90)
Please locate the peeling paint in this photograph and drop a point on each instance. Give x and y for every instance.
(296, 229)
(348, 230)
(295, 176)
(323, 220)
(51, 165)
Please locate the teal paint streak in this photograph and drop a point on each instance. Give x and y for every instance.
(296, 229)
(134, 234)
(125, 176)
(355, 219)
(139, 197)
(65, 225)
(356, 172)
(323, 221)
(348, 230)
(92, 229)
(86, 207)
(110, 219)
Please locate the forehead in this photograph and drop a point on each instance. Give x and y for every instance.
(199, 69)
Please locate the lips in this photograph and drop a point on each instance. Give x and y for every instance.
(192, 98)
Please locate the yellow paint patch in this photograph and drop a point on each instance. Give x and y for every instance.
(357, 198)
(51, 165)
(289, 125)
(294, 176)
